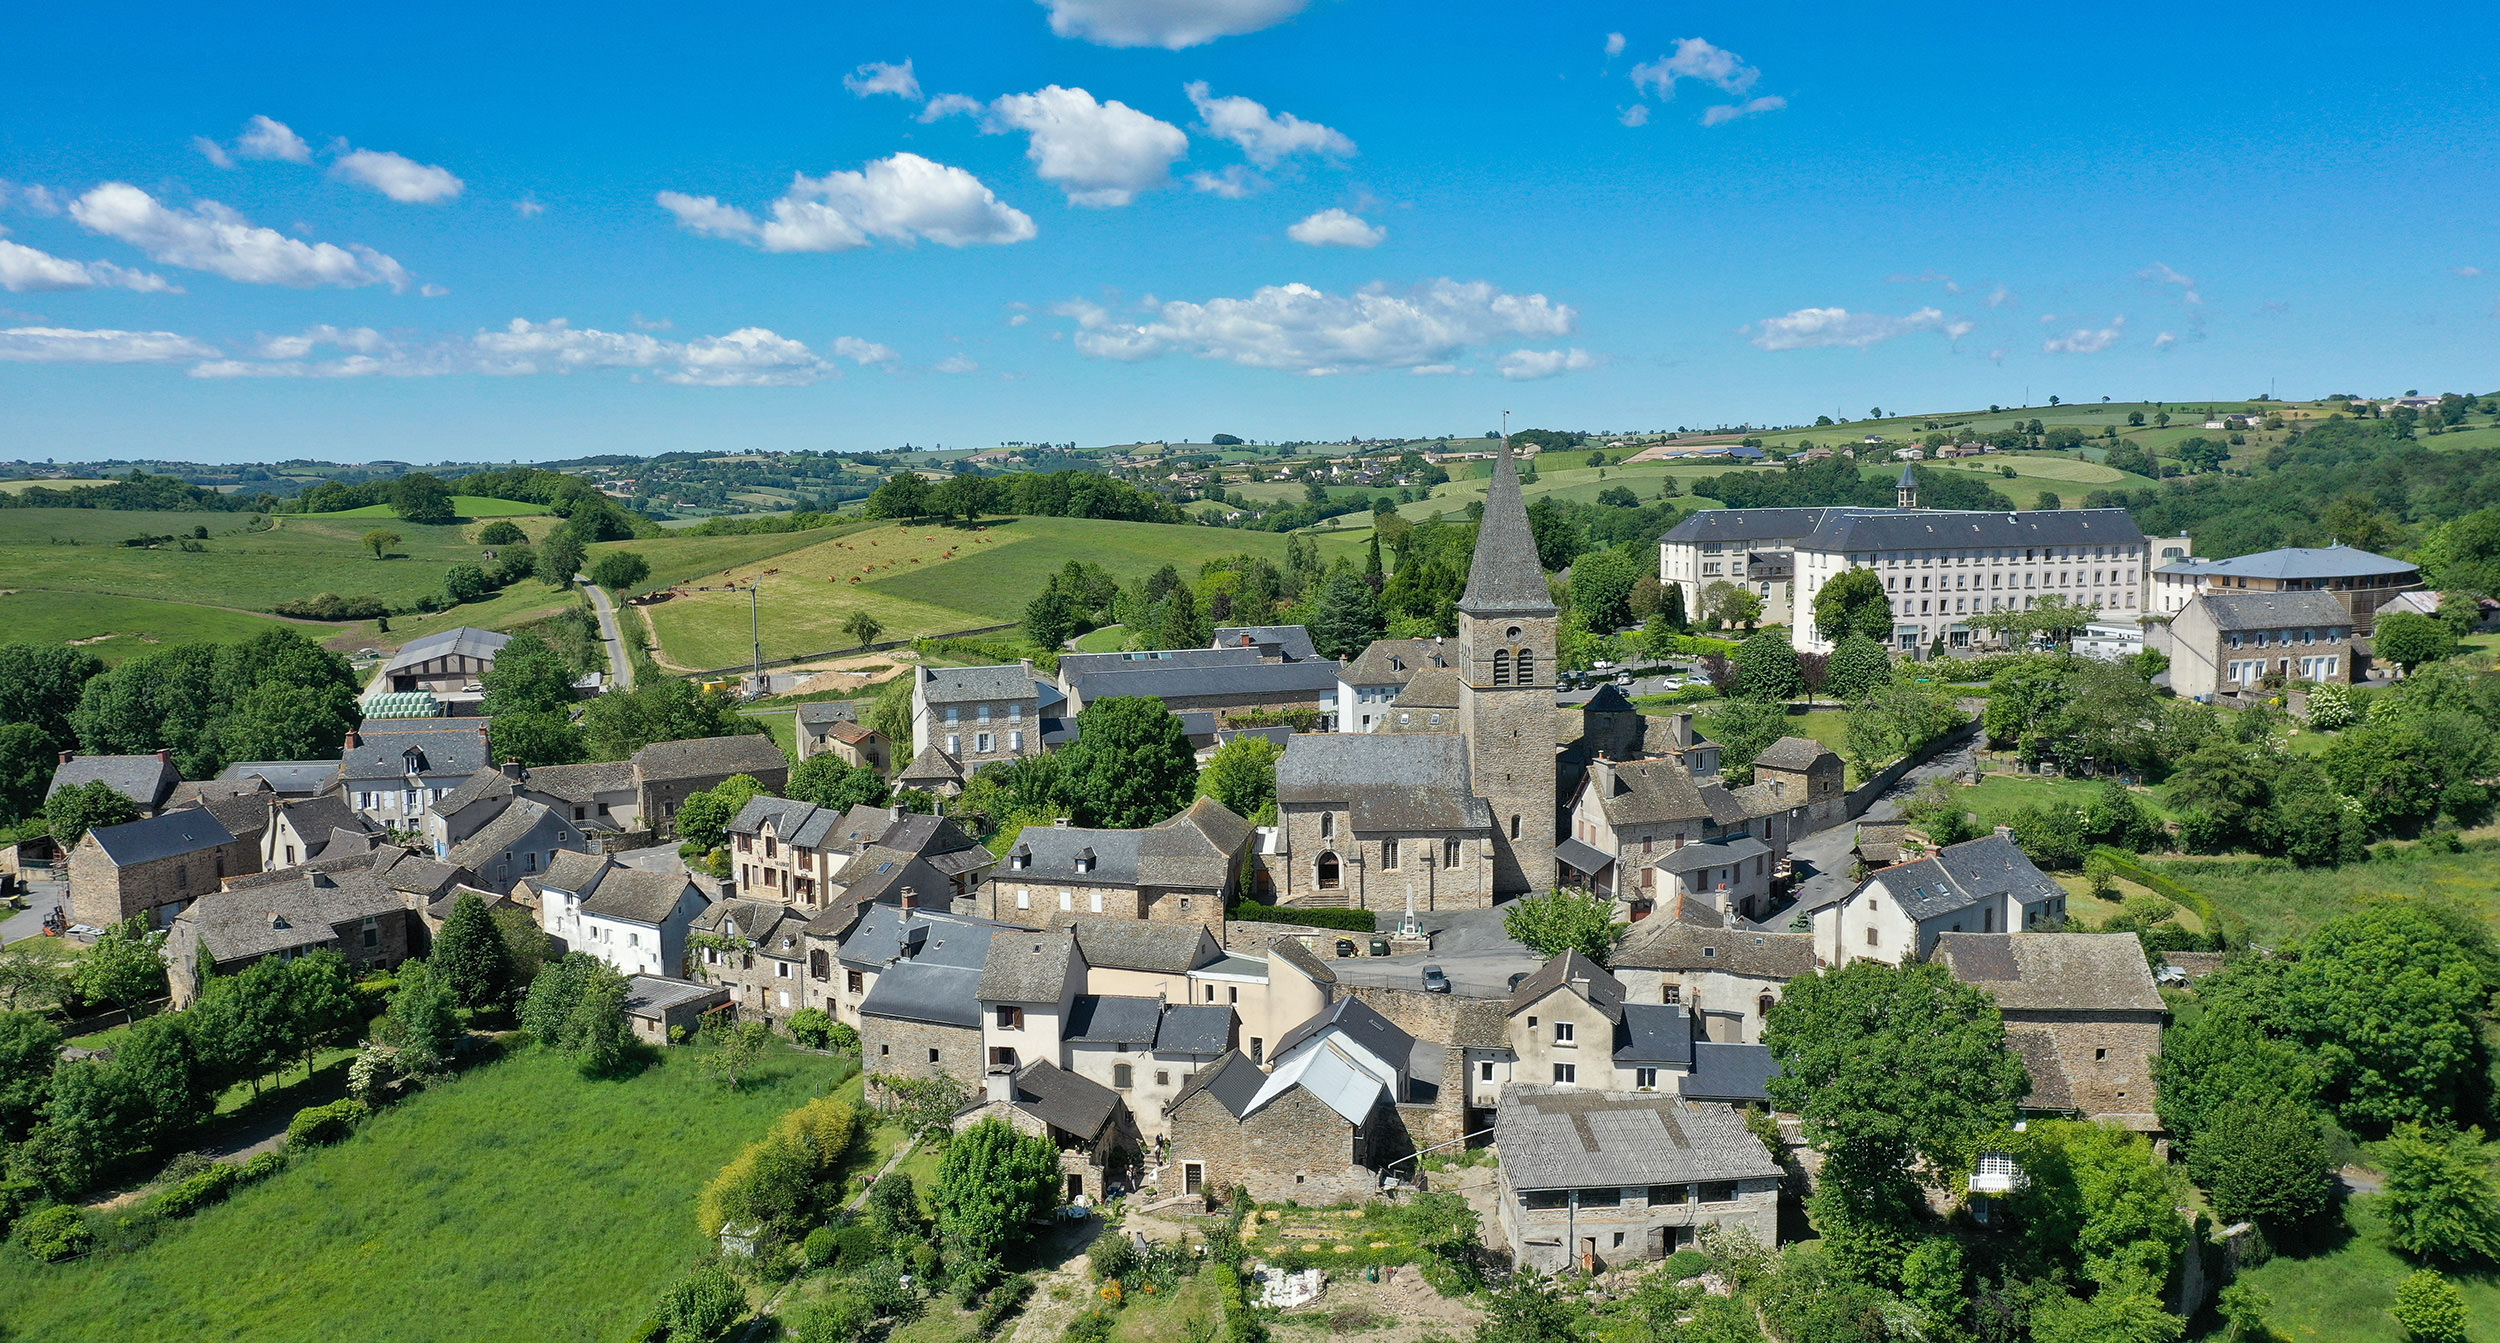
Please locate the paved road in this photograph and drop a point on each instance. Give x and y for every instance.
(620, 667)
(1468, 944)
(1822, 858)
(41, 898)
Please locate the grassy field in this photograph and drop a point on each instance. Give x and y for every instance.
(114, 628)
(2279, 902)
(466, 505)
(519, 1202)
(2341, 1295)
(1996, 797)
(1105, 640)
(22, 486)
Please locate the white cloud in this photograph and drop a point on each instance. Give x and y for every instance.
(1234, 183)
(2087, 341)
(1614, 44)
(748, 357)
(642, 323)
(30, 197)
(2167, 338)
(1727, 112)
(1530, 365)
(878, 77)
(2162, 274)
(1170, 24)
(863, 352)
(1635, 115)
(1019, 319)
(528, 207)
(1695, 59)
(266, 138)
(1813, 328)
(216, 239)
(952, 104)
(1336, 228)
(899, 199)
(2000, 296)
(1268, 138)
(1296, 328)
(431, 291)
(59, 345)
(2466, 272)
(956, 363)
(1100, 154)
(24, 268)
(212, 151)
(1433, 370)
(401, 178)
(360, 339)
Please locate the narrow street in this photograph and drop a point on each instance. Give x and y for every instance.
(620, 667)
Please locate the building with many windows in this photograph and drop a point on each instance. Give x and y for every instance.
(976, 715)
(2238, 640)
(2359, 580)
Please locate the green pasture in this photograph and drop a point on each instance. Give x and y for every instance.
(22, 486)
(466, 505)
(113, 627)
(520, 1201)
(2279, 902)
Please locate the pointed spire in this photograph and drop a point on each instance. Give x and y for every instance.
(1505, 575)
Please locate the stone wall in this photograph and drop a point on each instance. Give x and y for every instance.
(1365, 881)
(1547, 1238)
(904, 1048)
(2119, 1080)
(1296, 1148)
(101, 893)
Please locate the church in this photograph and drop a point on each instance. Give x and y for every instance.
(1442, 819)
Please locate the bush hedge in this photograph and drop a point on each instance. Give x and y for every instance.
(321, 1125)
(1005, 1300)
(55, 1234)
(331, 606)
(2126, 865)
(1345, 920)
(191, 1195)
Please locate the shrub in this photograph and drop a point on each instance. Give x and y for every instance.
(779, 1179)
(1349, 920)
(321, 1125)
(820, 1247)
(1005, 1300)
(209, 1186)
(812, 1026)
(1685, 1264)
(842, 1317)
(2430, 1308)
(843, 1038)
(331, 606)
(55, 1234)
(263, 1165)
(702, 1305)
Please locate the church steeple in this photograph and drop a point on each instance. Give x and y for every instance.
(1505, 575)
(1905, 490)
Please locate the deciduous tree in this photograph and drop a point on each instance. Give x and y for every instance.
(1131, 764)
(1561, 921)
(2439, 1199)
(992, 1185)
(1241, 774)
(471, 957)
(380, 542)
(619, 571)
(1853, 602)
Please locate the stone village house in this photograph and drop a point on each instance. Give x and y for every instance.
(1592, 1180)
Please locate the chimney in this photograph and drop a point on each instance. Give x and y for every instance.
(911, 897)
(1059, 822)
(512, 770)
(164, 756)
(68, 756)
(354, 740)
(1680, 729)
(2005, 832)
(998, 1087)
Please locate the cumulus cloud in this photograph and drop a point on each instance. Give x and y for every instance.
(2165, 339)
(24, 269)
(2162, 274)
(1296, 328)
(1635, 115)
(1530, 365)
(1267, 138)
(2084, 340)
(1813, 328)
(863, 352)
(268, 138)
(1100, 154)
(1614, 44)
(878, 77)
(1695, 59)
(213, 238)
(748, 357)
(1170, 24)
(951, 104)
(1235, 182)
(1336, 228)
(60, 345)
(956, 363)
(899, 199)
(528, 207)
(397, 176)
(1727, 112)
(2000, 296)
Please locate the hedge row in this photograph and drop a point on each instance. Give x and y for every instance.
(2126, 865)
(1346, 920)
(215, 1183)
(1241, 1324)
(1005, 1300)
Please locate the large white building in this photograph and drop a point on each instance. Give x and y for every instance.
(1941, 567)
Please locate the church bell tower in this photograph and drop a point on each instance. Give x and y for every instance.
(1506, 635)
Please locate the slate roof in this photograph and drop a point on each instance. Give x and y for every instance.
(2298, 562)
(1725, 850)
(1358, 1022)
(1723, 1072)
(293, 778)
(800, 823)
(1276, 680)
(1108, 1019)
(449, 748)
(1664, 944)
(464, 641)
(171, 835)
(1293, 641)
(1029, 967)
(1396, 661)
(1930, 529)
(761, 922)
(1655, 1033)
(243, 807)
(2274, 610)
(1603, 991)
(1504, 576)
(1650, 792)
(1063, 1100)
(653, 995)
(510, 826)
(578, 873)
(1908, 480)
(1581, 856)
(316, 817)
(1959, 876)
(2053, 972)
(704, 757)
(144, 779)
(1570, 1139)
(931, 765)
(1195, 848)
(964, 685)
(939, 980)
(1233, 1081)
(1429, 688)
(1744, 526)
(281, 916)
(479, 787)
(1292, 952)
(1794, 753)
(1142, 944)
(1277, 735)
(1388, 781)
(1608, 699)
(1074, 667)
(632, 895)
(818, 715)
(1195, 1028)
(581, 783)
(1051, 853)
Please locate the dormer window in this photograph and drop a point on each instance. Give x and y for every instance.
(414, 759)
(1085, 860)
(1021, 859)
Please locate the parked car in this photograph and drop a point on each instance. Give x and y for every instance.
(1435, 981)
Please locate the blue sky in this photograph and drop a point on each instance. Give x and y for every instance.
(542, 231)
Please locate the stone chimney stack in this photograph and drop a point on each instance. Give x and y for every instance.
(354, 740)
(512, 770)
(164, 756)
(68, 756)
